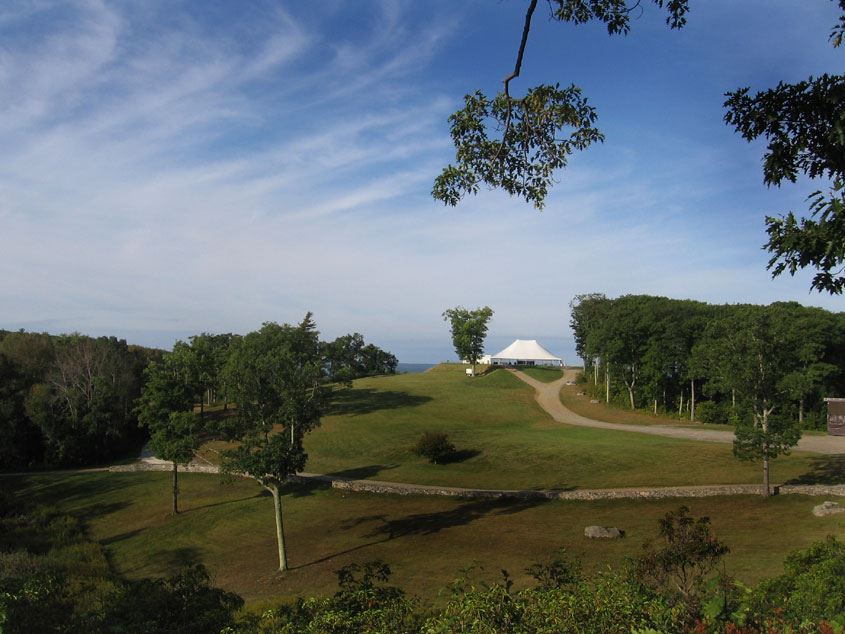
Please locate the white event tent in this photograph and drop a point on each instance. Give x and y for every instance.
(523, 352)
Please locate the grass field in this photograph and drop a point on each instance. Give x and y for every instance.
(506, 441)
(426, 540)
(544, 374)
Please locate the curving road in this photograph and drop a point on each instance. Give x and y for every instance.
(548, 397)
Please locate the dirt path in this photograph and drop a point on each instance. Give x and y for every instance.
(548, 397)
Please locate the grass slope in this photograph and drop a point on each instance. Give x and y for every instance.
(506, 440)
(426, 540)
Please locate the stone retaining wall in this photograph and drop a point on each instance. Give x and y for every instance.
(635, 493)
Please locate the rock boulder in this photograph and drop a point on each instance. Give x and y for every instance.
(828, 508)
(603, 532)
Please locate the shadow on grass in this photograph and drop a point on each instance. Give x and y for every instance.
(358, 401)
(176, 557)
(430, 523)
(260, 494)
(362, 473)
(825, 470)
(460, 455)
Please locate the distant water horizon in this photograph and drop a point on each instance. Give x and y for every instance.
(412, 368)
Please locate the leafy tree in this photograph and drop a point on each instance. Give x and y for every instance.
(517, 144)
(804, 126)
(185, 603)
(469, 329)
(435, 446)
(84, 406)
(349, 357)
(538, 132)
(275, 378)
(176, 439)
(762, 361)
(811, 590)
(688, 554)
(22, 442)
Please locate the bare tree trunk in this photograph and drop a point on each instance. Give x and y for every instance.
(692, 399)
(733, 400)
(765, 453)
(801, 412)
(681, 404)
(175, 488)
(630, 395)
(655, 407)
(595, 372)
(607, 382)
(280, 529)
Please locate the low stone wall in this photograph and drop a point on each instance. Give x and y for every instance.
(164, 466)
(634, 493)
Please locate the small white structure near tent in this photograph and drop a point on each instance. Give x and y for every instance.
(523, 352)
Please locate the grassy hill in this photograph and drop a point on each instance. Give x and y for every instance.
(505, 440)
(426, 540)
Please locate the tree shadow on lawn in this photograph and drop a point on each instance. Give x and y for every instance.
(430, 523)
(304, 488)
(825, 470)
(460, 455)
(175, 558)
(364, 400)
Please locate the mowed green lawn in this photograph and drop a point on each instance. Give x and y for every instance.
(505, 440)
(426, 540)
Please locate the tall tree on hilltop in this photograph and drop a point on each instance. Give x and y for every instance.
(469, 329)
(274, 376)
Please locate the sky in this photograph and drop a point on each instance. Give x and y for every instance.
(169, 168)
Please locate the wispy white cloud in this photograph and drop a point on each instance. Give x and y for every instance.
(166, 177)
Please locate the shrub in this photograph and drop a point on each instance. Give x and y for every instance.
(710, 412)
(435, 446)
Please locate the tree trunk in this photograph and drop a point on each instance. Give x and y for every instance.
(280, 529)
(692, 399)
(631, 395)
(292, 434)
(607, 382)
(655, 407)
(733, 400)
(595, 372)
(175, 488)
(765, 453)
(681, 404)
(801, 412)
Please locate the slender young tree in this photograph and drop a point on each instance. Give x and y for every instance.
(274, 376)
(176, 439)
(469, 329)
(165, 408)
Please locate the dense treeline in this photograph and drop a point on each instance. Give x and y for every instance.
(712, 363)
(69, 399)
(73, 400)
(53, 579)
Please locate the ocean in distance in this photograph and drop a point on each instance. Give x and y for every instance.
(411, 368)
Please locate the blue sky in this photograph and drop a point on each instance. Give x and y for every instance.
(169, 168)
